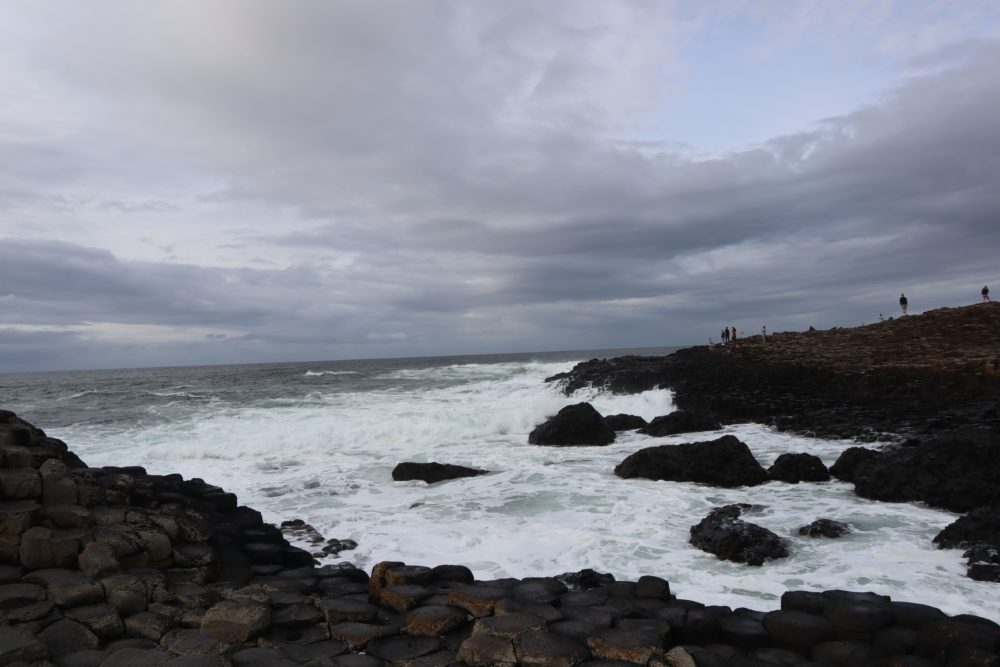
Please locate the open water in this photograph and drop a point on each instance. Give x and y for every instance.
(318, 441)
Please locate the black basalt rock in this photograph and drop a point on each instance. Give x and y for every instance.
(433, 472)
(956, 472)
(795, 468)
(849, 460)
(623, 422)
(724, 462)
(681, 421)
(727, 536)
(825, 528)
(578, 424)
(980, 526)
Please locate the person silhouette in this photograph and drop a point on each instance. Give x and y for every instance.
(986, 293)
(903, 303)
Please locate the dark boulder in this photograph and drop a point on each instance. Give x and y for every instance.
(432, 472)
(623, 422)
(980, 526)
(795, 468)
(843, 469)
(957, 472)
(727, 536)
(724, 462)
(578, 424)
(984, 562)
(825, 528)
(681, 421)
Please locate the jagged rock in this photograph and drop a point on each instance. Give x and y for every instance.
(585, 579)
(825, 528)
(681, 421)
(724, 534)
(433, 472)
(795, 468)
(723, 462)
(956, 472)
(984, 562)
(578, 424)
(980, 526)
(623, 422)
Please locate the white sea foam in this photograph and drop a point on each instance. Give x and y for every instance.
(542, 510)
(310, 374)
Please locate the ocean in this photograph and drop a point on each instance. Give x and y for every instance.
(318, 441)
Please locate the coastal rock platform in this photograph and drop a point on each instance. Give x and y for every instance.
(117, 567)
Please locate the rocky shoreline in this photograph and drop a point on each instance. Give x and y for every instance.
(114, 566)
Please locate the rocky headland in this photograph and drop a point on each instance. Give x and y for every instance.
(115, 566)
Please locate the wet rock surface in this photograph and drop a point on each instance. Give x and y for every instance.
(574, 425)
(168, 571)
(433, 472)
(724, 534)
(725, 462)
(679, 422)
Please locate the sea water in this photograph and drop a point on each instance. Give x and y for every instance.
(318, 442)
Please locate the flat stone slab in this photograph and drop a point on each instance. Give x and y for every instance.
(340, 610)
(357, 635)
(401, 647)
(433, 620)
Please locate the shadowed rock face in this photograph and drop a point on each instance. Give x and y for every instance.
(980, 526)
(724, 462)
(574, 425)
(623, 422)
(795, 468)
(727, 536)
(432, 472)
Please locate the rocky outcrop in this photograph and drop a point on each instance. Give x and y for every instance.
(957, 472)
(923, 374)
(795, 468)
(725, 535)
(980, 526)
(849, 460)
(723, 462)
(433, 472)
(574, 425)
(679, 422)
(127, 569)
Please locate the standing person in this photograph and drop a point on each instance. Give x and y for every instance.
(763, 333)
(725, 335)
(734, 333)
(986, 293)
(903, 303)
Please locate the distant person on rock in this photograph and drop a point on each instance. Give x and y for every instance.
(986, 293)
(734, 333)
(903, 303)
(763, 334)
(725, 335)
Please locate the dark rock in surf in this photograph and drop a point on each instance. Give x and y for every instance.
(825, 528)
(957, 472)
(578, 424)
(795, 468)
(432, 472)
(849, 460)
(681, 421)
(724, 462)
(727, 536)
(623, 422)
(980, 526)
(983, 562)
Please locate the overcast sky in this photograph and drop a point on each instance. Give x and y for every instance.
(191, 182)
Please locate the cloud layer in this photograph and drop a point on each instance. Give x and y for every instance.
(235, 181)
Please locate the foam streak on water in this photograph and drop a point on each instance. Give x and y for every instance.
(324, 453)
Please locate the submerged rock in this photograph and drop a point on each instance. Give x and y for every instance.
(681, 421)
(578, 424)
(432, 472)
(825, 528)
(723, 462)
(727, 536)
